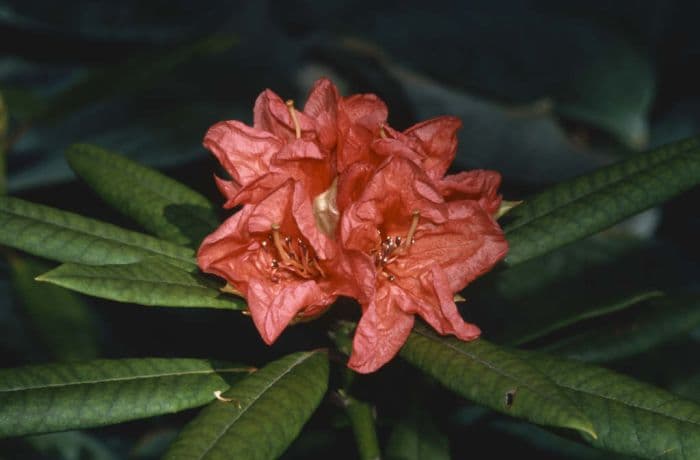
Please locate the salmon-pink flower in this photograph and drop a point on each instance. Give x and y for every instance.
(411, 251)
(273, 253)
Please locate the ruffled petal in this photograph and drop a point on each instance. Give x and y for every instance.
(322, 106)
(273, 306)
(380, 334)
(438, 140)
(478, 185)
(244, 152)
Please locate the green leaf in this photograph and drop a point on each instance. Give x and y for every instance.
(267, 411)
(161, 205)
(545, 441)
(56, 397)
(532, 299)
(630, 417)
(3, 146)
(138, 73)
(361, 415)
(575, 209)
(71, 445)
(147, 282)
(635, 331)
(67, 237)
(65, 325)
(416, 437)
(494, 377)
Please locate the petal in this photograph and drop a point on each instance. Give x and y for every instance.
(228, 188)
(302, 210)
(479, 185)
(244, 152)
(271, 114)
(380, 334)
(360, 118)
(274, 305)
(438, 139)
(322, 106)
(445, 317)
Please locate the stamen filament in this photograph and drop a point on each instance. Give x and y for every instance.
(278, 243)
(414, 226)
(293, 114)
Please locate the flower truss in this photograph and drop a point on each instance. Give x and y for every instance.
(337, 203)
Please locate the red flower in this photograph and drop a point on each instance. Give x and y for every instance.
(411, 252)
(409, 237)
(273, 253)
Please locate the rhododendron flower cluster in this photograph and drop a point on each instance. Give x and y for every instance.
(337, 203)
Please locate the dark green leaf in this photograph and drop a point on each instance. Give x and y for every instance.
(137, 73)
(546, 441)
(67, 237)
(416, 437)
(630, 417)
(147, 282)
(575, 209)
(56, 397)
(635, 331)
(494, 377)
(361, 415)
(60, 318)
(3, 139)
(161, 205)
(267, 411)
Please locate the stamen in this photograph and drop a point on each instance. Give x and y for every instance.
(278, 242)
(293, 114)
(414, 226)
(382, 133)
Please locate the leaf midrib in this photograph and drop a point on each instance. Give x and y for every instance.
(516, 225)
(100, 237)
(487, 363)
(122, 379)
(255, 400)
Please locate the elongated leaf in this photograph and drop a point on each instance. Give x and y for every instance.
(267, 412)
(495, 377)
(3, 135)
(630, 417)
(147, 282)
(161, 205)
(546, 441)
(60, 318)
(527, 301)
(636, 331)
(361, 417)
(416, 437)
(68, 237)
(56, 397)
(578, 208)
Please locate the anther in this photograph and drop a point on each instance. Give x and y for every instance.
(293, 114)
(414, 225)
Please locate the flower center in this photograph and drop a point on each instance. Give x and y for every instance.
(390, 248)
(288, 256)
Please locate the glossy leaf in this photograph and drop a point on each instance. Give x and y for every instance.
(575, 209)
(60, 318)
(266, 412)
(57, 397)
(494, 377)
(161, 205)
(147, 282)
(67, 237)
(630, 417)
(361, 415)
(648, 325)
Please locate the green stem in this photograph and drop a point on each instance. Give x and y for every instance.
(363, 426)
